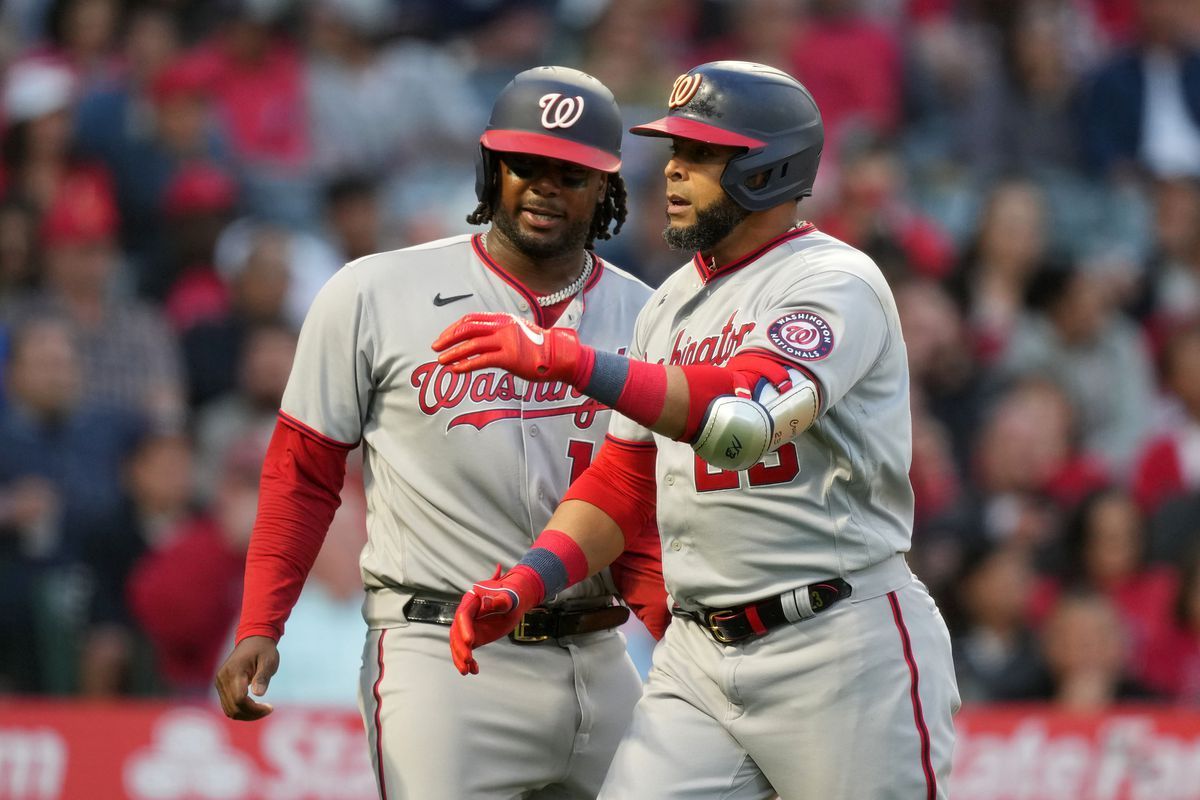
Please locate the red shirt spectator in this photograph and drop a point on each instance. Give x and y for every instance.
(852, 67)
(257, 86)
(186, 597)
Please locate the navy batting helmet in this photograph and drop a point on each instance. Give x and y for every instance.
(556, 112)
(760, 108)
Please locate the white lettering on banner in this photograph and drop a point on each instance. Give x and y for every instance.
(33, 764)
(1126, 759)
(315, 759)
(559, 111)
(189, 758)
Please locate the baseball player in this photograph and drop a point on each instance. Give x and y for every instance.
(462, 471)
(764, 411)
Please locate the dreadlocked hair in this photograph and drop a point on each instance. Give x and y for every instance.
(611, 208)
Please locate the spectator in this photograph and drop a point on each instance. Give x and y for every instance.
(1173, 659)
(1084, 650)
(144, 128)
(198, 205)
(852, 67)
(309, 259)
(19, 267)
(1076, 334)
(362, 91)
(251, 409)
(255, 77)
(59, 493)
(992, 278)
(188, 628)
(1169, 463)
(1172, 290)
(258, 292)
(157, 482)
(352, 218)
(743, 36)
(130, 358)
(1105, 552)
(1028, 467)
(82, 34)
(995, 649)
(39, 165)
(1023, 121)
(871, 213)
(945, 378)
(1141, 110)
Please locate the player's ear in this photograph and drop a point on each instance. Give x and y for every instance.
(603, 188)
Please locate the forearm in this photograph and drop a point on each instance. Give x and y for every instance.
(607, 507)
(598, 537)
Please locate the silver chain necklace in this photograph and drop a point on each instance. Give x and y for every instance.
(570, 290)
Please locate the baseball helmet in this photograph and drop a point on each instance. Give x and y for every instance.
(760, 108)
(556, 112)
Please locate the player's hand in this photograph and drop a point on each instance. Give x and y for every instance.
(489, 610)
(480, 341)
(250, 666)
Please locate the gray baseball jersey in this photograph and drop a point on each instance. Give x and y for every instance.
(461, 471)
(855, 701)
(836, 499)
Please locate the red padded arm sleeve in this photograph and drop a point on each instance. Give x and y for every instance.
(620, 482)
(298, 495)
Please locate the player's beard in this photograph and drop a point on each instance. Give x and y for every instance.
(571, 240)
(713, 223)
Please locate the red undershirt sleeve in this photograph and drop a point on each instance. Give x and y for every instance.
(299, 493)
(620, 482)
(637, 574)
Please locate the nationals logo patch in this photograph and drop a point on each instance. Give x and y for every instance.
(803, 335)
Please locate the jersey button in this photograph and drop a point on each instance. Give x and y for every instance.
(670, 480)
(676, 545)
(533, 430)
(523, 306)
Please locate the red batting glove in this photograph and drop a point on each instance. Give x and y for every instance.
(479, 341)
(489, 610)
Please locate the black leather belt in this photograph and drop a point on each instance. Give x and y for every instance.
(539, 624)
(730, 625)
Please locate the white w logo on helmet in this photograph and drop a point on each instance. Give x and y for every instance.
(559, 111)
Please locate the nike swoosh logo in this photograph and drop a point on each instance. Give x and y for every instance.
(530, 334)
(438, 300)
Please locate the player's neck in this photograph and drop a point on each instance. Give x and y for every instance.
(751, 234)
(541, 276)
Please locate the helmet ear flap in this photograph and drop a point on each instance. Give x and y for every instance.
(485, 168)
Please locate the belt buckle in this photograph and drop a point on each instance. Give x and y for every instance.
(717, 633)
(520, 633)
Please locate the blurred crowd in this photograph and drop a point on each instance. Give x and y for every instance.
(179, 177)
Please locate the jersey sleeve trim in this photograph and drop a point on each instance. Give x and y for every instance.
(312, 433)
(808, 373)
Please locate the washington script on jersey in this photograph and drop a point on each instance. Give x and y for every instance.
(438, 388)
(711, 349)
